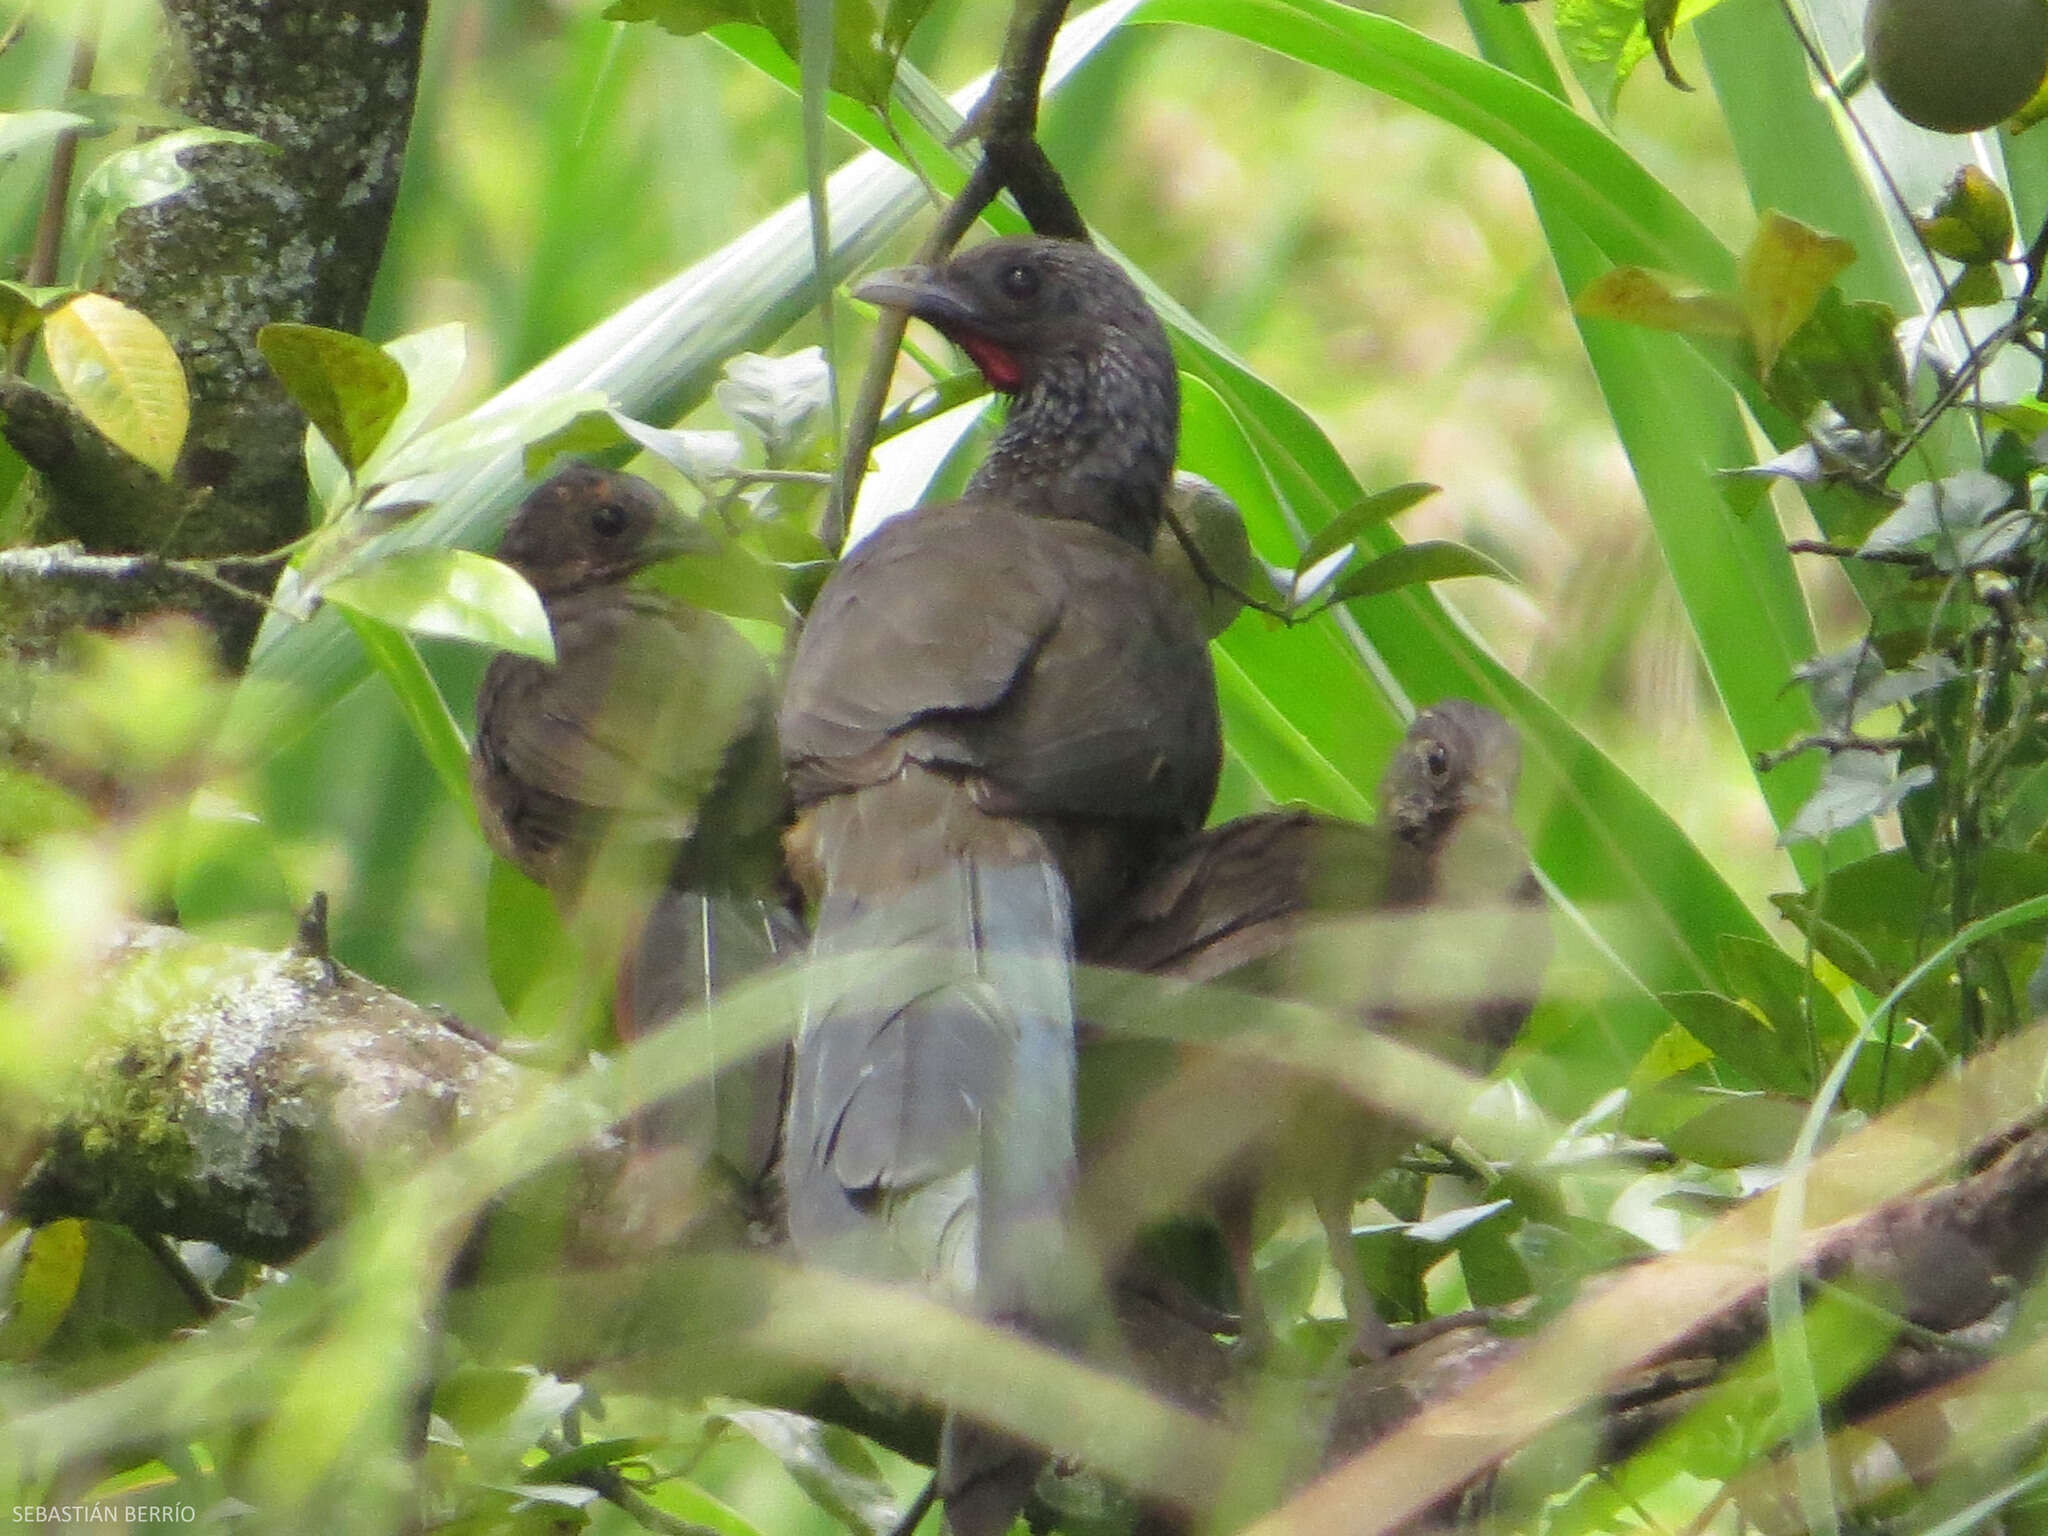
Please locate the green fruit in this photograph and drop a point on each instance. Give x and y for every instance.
(1957, 66)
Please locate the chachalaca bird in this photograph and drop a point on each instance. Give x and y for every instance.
(998, 712)
(1427, 926)
(638, 779)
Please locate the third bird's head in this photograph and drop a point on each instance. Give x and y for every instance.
(1061, 327)
(1456, 759)
(584, 527)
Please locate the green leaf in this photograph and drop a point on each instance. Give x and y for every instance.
(137, 177)
(123, 375)
(785, 400)
(22, 308)
(1742, 1039)
(1972, 222)
(432, 361)
(830, 1464)
(1974, 287)
(1379, 507)
(1846, 355)
(350, 389)
(591, 1455)
(1740, 1131)
(394, 656)
(1635, 296)
(1854, 787)
(454, 593)
(26, 130)
(51, 1261)
(1200, 516)
(1786, 269)
(1425, 560)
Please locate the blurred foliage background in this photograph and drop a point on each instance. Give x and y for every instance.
(1384, 269)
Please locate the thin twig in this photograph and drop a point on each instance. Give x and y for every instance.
(44, 254)
(204, 1302)
(1006, 119)
(1766, 761)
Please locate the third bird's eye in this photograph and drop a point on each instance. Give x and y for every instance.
(1019, 281)
(608, 521)
(1437, 760)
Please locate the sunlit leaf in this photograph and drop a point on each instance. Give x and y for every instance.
(1855, 787)
(786, 400)
(454, 593)
(350, 389)
(1785, 270)
(1379, 507)
(1425, 560)
(25, 130)
(1640, 297)
(137, 177)
(123, 375)
(48, 1264)
(830, 1464)
(1972, 222)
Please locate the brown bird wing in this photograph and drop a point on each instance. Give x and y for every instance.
(636, 716)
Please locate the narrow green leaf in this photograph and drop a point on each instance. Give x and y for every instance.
(350, 389)
(393, 655)
(1629, 212)
(1379, 507)
(454, 593)
(1426, 560)
(123, 375)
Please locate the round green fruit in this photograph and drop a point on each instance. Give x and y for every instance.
(1957, 66)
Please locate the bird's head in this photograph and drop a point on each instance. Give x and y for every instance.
(1457, 758)
(584, 526)
(1061, 327)
(1018, 306)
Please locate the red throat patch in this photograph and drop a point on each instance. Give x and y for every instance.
(997, 366)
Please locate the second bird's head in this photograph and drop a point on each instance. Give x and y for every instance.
(1024, 307)
(584, 527)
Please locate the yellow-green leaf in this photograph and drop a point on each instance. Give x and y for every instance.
(1638, 296)
(1786, 269)
(1972, 223)
(454, 593)
(123, 375)
(350, 389)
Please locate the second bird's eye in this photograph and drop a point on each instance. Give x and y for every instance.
(1436, 759)
(1018, 281)
(608, 521)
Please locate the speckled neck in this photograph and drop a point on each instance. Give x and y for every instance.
(1092, 437)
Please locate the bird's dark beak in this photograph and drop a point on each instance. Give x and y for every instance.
(921, 292)
(674, 536)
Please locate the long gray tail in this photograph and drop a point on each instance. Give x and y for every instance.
(931, 1124)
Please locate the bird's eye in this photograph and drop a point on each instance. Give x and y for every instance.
(1437, 760)
(608, 520)
(1019, 280)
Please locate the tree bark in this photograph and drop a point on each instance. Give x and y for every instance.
(292, 231)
